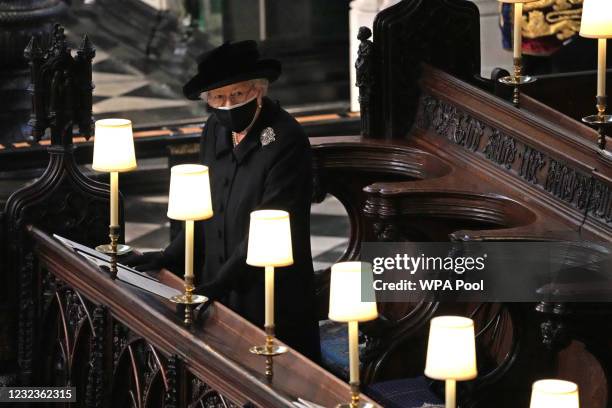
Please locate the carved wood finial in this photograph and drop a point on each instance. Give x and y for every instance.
(364, 33)
(61, 89)
(32, 50)
(365, 75)
(58, 40)
(85, 55)
(87, 49)
(34, 54)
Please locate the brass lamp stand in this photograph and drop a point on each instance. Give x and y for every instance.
(113, 249)
(189, 200)
(114, 153)
(348, 283)
(597, 23)
(355, 401)
(188, 299)
(600, 121)
(269, 246)
(517, 78)
(269, 350)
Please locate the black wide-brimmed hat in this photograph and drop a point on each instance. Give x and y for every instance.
(228, 64)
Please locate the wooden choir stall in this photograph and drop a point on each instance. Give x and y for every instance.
(119, 342)
(443, 156)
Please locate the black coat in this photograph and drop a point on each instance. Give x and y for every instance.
(252, 176)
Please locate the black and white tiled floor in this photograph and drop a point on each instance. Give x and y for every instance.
(123, 91)
(129, 86)
(148, 228)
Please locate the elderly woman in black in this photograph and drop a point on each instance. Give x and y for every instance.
(259, 158)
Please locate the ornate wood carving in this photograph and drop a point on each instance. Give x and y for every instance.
(120, 339)
(61, 88)
(555, 334)
(531, 164)
(95, 381)
(568, 184)
(171, 399)
(536, 167)
(443, 33)
(62, 200)
(140, 377)
(25, 333)
(365, 74)
(468, 133)
(19, 21)
(501, 149)
(204, 396)
(601, 201)
(64, 346)
(386, 232)
(160, 357)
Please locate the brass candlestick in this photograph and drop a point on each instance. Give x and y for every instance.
(188, 299)
(517, 79)
(269, 351)
(121, 249)
(114, 249)
(355, 402)
(114, 237)
(600, 121)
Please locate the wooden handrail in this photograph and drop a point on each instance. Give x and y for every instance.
(215, 350)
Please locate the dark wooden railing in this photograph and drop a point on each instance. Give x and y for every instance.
(123, 346)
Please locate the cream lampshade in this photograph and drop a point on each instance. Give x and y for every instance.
(554, 393)
(114, 146)
(451, 353)
(596, 19)
(269, 239)
(346, 293)
(189, 198)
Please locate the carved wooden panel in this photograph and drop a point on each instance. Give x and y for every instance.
(443, 33)
(78, 343)
(568, 184)
(63, 200)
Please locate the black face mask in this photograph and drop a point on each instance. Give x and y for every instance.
(237, 117)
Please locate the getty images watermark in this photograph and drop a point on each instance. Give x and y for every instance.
(407, 264)
(489, 271)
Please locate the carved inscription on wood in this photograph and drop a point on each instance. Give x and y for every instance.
(580, 190)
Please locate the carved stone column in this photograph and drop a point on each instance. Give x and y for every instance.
(19, 21)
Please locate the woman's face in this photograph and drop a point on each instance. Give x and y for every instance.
(233, 94)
